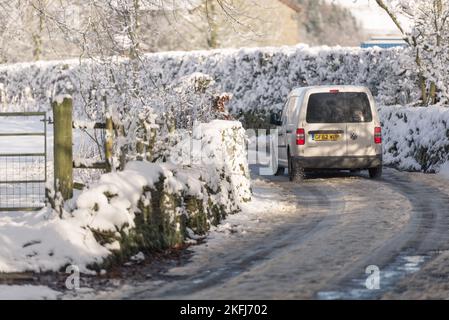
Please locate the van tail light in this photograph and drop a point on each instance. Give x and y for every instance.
(334, 91)
(300, 137)
(377, 135)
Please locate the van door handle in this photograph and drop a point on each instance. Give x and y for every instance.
(280, 134)
(289, 131)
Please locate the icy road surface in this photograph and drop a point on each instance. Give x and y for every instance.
(314, 241)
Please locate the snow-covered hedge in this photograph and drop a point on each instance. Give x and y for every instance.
(415, 139)
(259, 79)
(147, 206)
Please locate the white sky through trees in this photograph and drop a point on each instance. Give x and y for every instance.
(370, 15)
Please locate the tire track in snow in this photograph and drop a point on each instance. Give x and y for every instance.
(406, 252)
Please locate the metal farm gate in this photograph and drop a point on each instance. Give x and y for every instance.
(23, 175)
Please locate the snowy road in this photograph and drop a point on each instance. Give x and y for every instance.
(317, 243)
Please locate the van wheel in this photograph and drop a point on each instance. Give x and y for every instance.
(280, 171)
(375, 173)
(295, 172)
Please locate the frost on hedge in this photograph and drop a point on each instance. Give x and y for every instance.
(415, 138)
(259, 79)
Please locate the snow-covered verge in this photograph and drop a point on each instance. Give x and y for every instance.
(147, 206)
(416, 138)
(444, 170)
(27, 292)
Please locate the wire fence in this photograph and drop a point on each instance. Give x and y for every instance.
(22, 182)
(23, 176)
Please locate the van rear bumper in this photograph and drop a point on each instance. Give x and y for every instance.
(346, 162)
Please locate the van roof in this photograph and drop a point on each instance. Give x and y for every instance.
(300, 90)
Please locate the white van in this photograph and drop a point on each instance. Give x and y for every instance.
(329, 127)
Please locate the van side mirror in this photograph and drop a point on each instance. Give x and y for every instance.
(275, 119)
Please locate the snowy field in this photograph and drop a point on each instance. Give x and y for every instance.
(22, 144)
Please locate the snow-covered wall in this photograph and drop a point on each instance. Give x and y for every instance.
(147, 206)
(415, 139)
(259, 79)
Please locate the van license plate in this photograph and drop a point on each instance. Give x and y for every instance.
(326, 137)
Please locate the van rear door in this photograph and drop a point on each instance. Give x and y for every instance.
(325, 126)
(360, 125)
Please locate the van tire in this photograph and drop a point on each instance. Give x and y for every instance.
(280, 171)
(295, 172)
(375, 173)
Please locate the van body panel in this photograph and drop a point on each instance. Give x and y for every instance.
(287, 124)
(361, 135)
(342, 163)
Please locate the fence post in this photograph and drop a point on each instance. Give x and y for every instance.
(120, 132)
(63, 157)
(109, 142)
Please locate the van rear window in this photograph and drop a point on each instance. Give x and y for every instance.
(338, 107)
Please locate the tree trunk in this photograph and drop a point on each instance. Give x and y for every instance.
(433, 93)
(212, 39)
(36, 19)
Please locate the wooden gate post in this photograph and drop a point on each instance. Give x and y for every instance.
(109, 143)
(63, 157)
